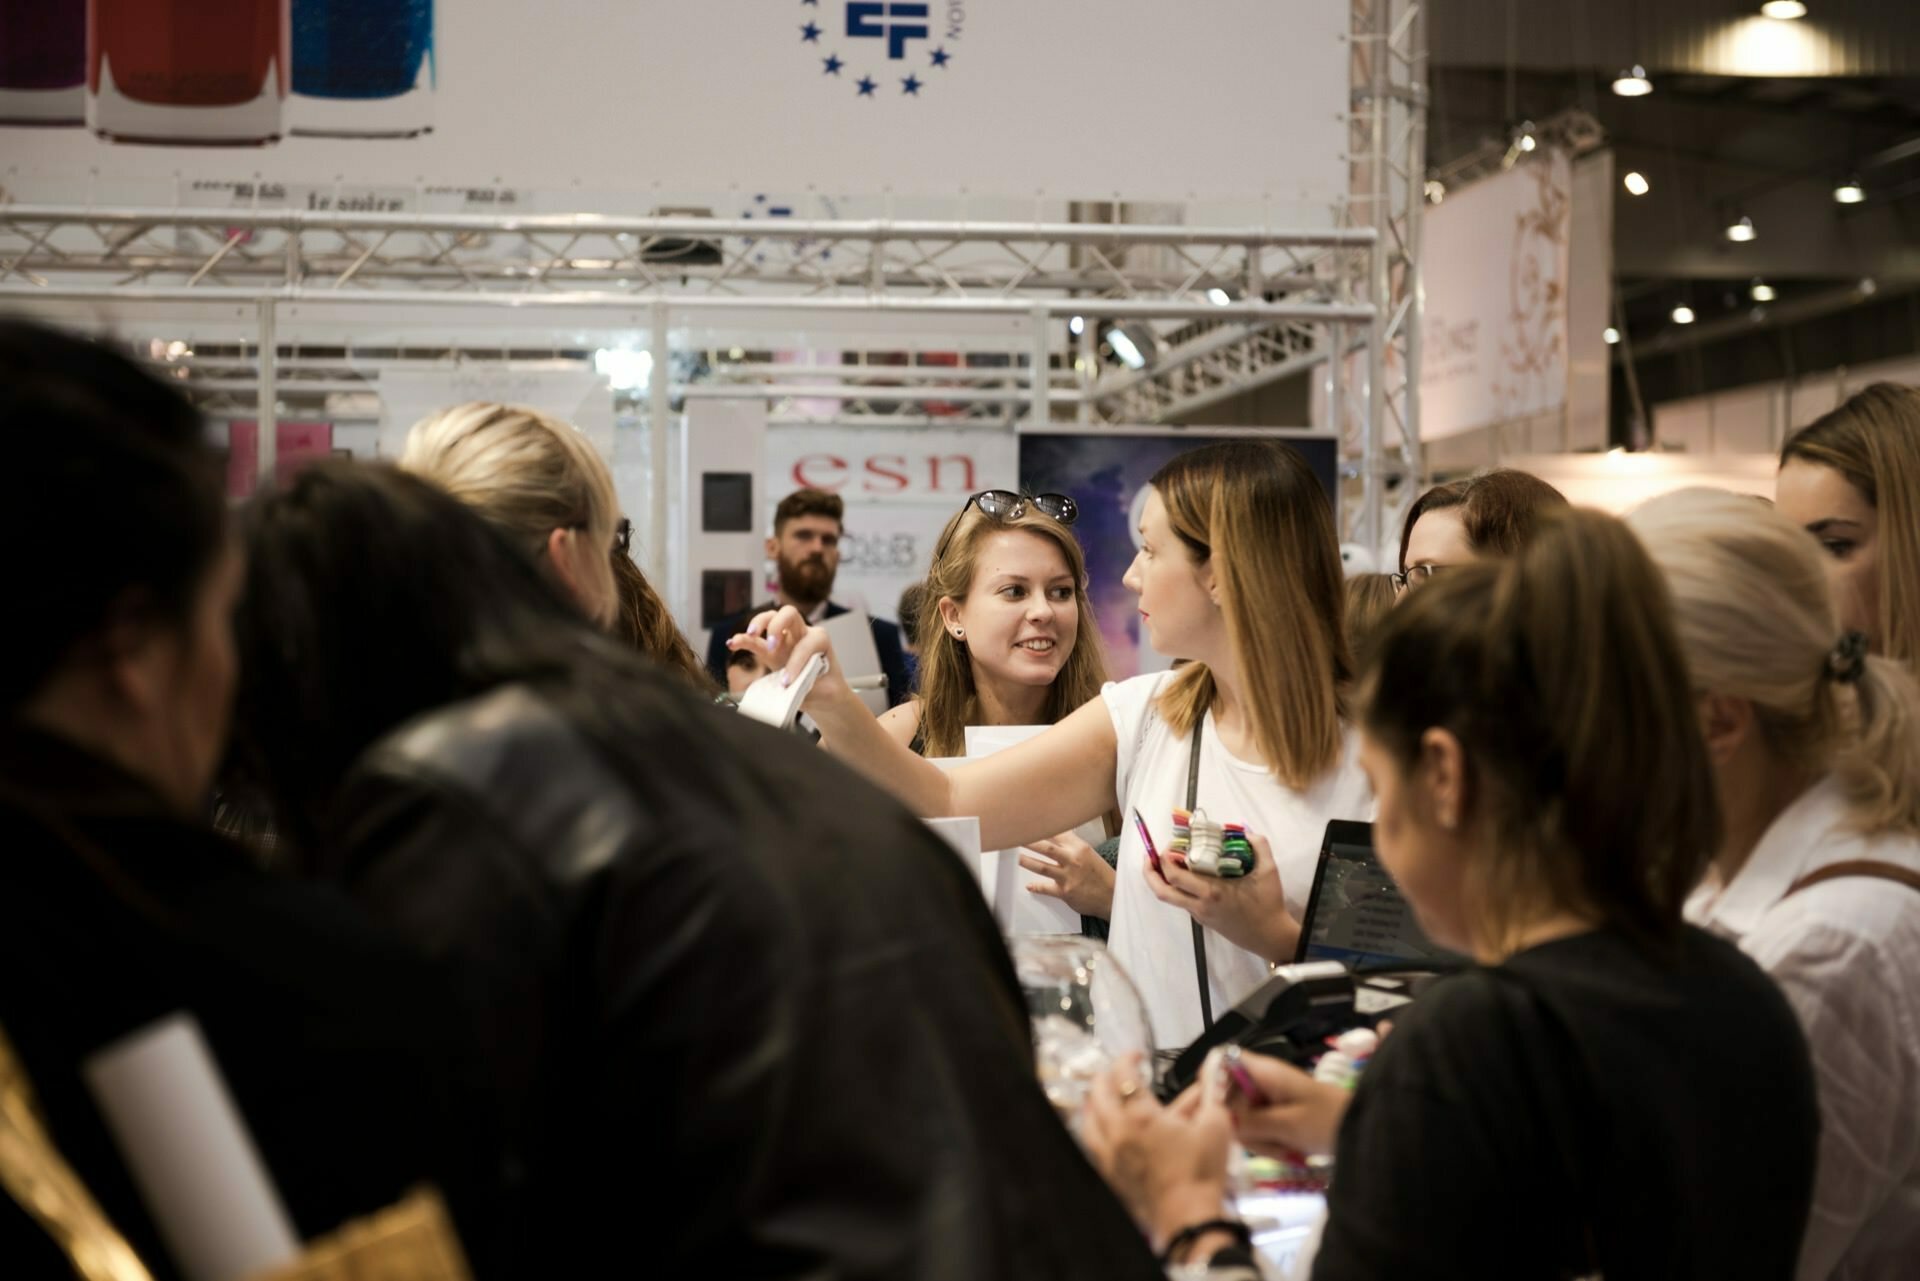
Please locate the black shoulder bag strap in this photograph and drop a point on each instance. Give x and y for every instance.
(1199, 932)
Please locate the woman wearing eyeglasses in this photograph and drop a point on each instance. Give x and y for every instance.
(1239, 573)
(540, 480)
(1492, 514)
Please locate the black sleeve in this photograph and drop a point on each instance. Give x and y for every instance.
(893, 661)
(717, 651)
(1437, 1171)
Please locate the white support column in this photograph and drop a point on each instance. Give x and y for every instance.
(659, 410)
(1039, 369)
(266, 428)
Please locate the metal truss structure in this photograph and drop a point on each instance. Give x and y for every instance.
(1215, 311)
(1373, 394)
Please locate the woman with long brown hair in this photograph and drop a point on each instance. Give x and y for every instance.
(1239, 572)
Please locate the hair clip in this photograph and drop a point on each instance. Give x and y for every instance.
(1847, 661)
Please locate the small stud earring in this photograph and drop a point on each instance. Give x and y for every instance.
(959, 633)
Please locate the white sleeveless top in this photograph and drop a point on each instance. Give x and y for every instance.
(1152, 940)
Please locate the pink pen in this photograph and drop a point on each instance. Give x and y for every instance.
(1242, 1079)
(1146, 839)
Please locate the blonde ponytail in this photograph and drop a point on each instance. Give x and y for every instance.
(1879, 769)
(1758, 621)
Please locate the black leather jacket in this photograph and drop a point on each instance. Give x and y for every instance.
(742, 1013)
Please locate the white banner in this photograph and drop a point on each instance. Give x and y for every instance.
(1495, 273)
(900, 489)
(617, 105)
(570, 393)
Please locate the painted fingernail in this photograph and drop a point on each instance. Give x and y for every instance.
(786, 679)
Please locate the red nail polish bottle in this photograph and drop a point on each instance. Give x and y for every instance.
(193, 72)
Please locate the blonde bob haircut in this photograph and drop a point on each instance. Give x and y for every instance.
(528, 473)
(1256, 512)
(1559, 671)
(949, 700)
(1757, 621)
(1874, 441)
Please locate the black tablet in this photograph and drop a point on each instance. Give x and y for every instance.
(1356, 914)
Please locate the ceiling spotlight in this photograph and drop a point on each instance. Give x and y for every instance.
(1633, 83)
(1612, 335)
(1636, 183)
(1741, 230)
(1867, 287)
(1849, 192)
(1783, 10)
(1076, 325)
(1125, 348)
(1436, 190)
(1760, 291)
(1683, 315)
(1218, 296)
(1526, 141)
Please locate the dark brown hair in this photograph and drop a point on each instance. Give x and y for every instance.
(1260, 515)
(1501, 509)
(808, 502)
(1370, 597)
(645, 623)
(1559, 670)
(1874, 441)
(110, 497)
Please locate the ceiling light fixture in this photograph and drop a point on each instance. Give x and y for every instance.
(1612, 335)
(1760, 291)
(1633, 82)
(1636, 183)
(1849, 192)
(1740, 230)
(1125, 348)
(1436, 190)
(1218, 296)
(1783, 10)
(1077, 325)
(1683, 315)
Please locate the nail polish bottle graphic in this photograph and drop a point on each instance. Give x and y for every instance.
(187, 72)
(43, 62)
(362, 68)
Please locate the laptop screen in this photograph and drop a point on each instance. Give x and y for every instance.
(1356, 914)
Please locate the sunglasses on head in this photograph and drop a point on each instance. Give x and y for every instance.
(1004, 505)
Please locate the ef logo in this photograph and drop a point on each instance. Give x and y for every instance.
(899, 23)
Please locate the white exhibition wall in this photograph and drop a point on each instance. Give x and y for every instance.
(901, 485)
(616, 105)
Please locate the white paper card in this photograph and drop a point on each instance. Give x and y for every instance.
(187, 1146)
(1018, 909)
(852, 636)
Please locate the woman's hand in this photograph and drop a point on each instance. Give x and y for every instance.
(1249, 911)
(785, 641)
(1168, 1164)
(1300, 1115)
(1075, 873)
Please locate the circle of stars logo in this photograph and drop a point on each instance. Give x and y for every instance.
(881, 48)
